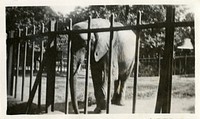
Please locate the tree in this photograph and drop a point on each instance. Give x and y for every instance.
(21, 17)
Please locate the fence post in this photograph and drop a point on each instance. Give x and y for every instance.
(185, 67)
(51, 67)
(137, 54)
(10, 48)
(164, 91)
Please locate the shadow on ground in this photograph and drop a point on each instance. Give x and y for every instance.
(15, 107)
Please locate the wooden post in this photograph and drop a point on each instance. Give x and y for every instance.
(51, 66)
(180, 65)
(163, 103)
(10, 48)
(174, 67)
(185, 67)
(137, 54)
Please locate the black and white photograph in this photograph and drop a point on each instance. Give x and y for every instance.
(100, 59)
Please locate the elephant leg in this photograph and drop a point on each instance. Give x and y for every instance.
(99, 88)
(116, 91)
(122, 92)
(119, 90)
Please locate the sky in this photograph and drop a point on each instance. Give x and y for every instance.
(64, 9)
(67, 9)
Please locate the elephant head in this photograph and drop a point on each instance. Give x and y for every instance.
(99, 49)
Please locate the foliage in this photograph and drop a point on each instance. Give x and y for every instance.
(21, 17)
(152, 40)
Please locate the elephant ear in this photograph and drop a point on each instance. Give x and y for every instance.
(102, 45)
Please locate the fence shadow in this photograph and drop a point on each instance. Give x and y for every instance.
(15, 107)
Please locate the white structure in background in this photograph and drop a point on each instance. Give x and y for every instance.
(186, 45)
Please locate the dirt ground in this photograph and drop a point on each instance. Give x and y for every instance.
(183, 95)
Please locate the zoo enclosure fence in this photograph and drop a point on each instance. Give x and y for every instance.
(148, 66)
(15, 40)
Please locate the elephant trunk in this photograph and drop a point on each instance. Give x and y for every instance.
(73, 80)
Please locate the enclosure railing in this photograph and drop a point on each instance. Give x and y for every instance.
(14, 44)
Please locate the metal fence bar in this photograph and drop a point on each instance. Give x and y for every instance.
(132, 27)
(24, 65)
(41, 58)
(87, 67)
(10, 49)
(68, 69)
(163, 102)
(40, 82)
(110, 65)
(51, 67)
(137, 50)
(18, 62)
(32, 62)
(53, 82)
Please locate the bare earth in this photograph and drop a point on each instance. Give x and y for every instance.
(183, 95)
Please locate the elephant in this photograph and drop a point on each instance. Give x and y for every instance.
(124, 42)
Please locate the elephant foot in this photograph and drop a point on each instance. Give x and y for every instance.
(117, 100)
(98, 110)
(101, 107)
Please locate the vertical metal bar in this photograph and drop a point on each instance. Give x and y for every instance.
(163, 103)
(40, 82)
(32, 61)
(170, 35)
(87, 67)
(41, 58)
(53, 82)
(24, 65)
(110, 65)
(51, 67)
(18, 62)
(68, 68)
(13, 64)
(10, 48)
(137, 50)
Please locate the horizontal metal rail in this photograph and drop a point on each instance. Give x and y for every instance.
(133, 27)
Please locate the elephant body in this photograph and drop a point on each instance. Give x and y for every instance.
(122, 64)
